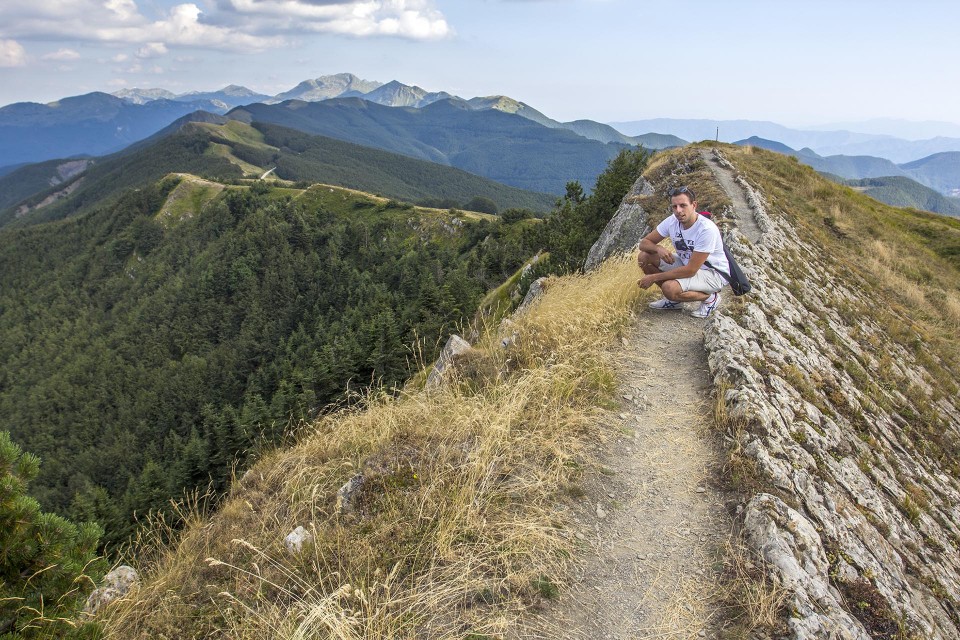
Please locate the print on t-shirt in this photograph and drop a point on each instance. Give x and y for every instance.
(702, 236)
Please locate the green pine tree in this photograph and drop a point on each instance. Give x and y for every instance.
(47, 563)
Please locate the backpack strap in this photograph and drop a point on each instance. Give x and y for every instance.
(726, 276)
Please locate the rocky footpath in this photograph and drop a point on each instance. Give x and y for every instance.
(843, 437)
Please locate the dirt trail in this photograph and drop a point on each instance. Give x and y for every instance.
(656, 523)
(746, 223)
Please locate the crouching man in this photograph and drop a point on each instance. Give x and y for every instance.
(684, 276)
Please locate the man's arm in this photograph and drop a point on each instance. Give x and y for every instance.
(697, 258)
(651, 244)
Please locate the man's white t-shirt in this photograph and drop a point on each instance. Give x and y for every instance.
(703, 236)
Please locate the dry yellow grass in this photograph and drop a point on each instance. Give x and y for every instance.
(456, 531)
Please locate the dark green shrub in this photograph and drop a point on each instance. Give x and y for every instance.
(46, 561)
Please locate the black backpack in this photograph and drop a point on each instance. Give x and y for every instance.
(737, 279)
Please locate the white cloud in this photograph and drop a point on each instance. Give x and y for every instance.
(120, 57)
(12, 54)
(414, 19)
(121, 21)
(152, 50)
(230, 25)
(62, 55)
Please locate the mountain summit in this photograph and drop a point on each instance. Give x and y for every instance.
(326, 87)
(397, 94)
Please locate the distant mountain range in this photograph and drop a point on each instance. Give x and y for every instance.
(230, 96)
(97, 123)
(921, 184)
(825, 143)
(501, 146)
(497, 137)
(227, 149)
(92, 124)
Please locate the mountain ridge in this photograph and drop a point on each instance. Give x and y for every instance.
(939, 173)
(228, 149)
(142, 112)
(501, 146)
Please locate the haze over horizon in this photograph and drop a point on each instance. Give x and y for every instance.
(606, 60)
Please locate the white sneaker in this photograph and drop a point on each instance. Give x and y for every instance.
(665, 304)
(707, 306)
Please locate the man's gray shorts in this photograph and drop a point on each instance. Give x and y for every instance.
(705, 280)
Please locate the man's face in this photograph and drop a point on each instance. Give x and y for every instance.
(683, 209)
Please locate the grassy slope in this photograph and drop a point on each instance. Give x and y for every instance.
(112, 175)
(458, 534)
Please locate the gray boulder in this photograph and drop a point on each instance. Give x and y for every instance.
(116, 584)
(625, 229)
(297, 539)
(535, 291)
(455, 346)
(346, 495)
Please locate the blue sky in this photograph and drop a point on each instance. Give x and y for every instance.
(797, 63)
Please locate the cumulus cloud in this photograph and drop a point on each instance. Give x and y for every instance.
(231, 25)
(152, 50)
(62, 55)
(12, 54)
(414, 19)
(122, 22)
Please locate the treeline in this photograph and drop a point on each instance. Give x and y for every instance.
(142, 360)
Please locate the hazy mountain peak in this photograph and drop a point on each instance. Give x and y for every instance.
(500, 103)
(232, 90)
(141, 96)
(326, 87)
(397, 94)
(507, 104)
(238, 91)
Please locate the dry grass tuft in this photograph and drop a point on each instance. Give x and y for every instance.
(454, 530)
(752, 604)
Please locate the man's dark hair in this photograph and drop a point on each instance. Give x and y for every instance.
(677, 191)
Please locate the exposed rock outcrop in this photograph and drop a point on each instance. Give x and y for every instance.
(455, 346)
(535, 291)
(832, 412)
(625, 229)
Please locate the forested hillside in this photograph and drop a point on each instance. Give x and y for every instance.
(234, 150)
(151, 344)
